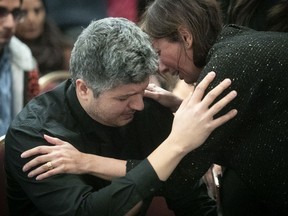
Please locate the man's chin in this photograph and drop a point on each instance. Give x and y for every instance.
(126, 120)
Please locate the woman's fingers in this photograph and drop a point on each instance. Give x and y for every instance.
(224, 118)
(202, 86)
(53, 140)
(36, 151)
(44, 171)
(215, 92)
(197, 94)
(62, 157)
(219, 105)
(41, 159)
(43, 149)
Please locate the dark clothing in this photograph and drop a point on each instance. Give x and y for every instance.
(67, 13)
(255, 143)
(58, 113)
(73, 16)
(238, 199)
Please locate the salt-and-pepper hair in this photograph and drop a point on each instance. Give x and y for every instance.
(112, 52)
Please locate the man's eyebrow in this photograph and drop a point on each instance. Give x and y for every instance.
(127, 95)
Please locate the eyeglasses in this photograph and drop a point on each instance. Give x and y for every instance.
(17, 14)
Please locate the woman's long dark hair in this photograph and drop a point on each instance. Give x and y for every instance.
(164, 18)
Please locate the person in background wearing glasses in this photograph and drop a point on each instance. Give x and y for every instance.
(18, 68)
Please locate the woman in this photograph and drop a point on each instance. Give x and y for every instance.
(190, 39)
(50, 48)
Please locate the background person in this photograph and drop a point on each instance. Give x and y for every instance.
(18, 68)
(49, 46)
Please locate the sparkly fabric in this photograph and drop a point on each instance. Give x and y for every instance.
(255, 143)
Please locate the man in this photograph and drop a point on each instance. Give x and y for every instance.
(18, 71)
(98, 112)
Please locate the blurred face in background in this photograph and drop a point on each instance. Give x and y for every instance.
(10, 15)
(33, 24)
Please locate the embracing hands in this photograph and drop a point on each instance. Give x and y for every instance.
(62, 157)
(194, 120)
(162, 96)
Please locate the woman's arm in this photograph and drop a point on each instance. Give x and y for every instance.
(193, 123)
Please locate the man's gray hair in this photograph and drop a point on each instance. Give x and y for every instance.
(112, 52)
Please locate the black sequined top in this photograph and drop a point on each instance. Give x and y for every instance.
(255, 143)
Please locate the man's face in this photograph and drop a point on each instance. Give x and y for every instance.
(7, 21)
(115, 107)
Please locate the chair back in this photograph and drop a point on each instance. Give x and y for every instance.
(3, 198)
(52, 79)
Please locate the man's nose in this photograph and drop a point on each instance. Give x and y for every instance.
(9, 21)
(137, 103)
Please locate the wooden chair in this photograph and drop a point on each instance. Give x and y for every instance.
(3, 198)
(159, 207)
(52, 79)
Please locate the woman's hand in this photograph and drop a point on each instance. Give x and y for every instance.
(60, 158)
(194, 120)
(193, 123)
(162, 96)
(63, 157)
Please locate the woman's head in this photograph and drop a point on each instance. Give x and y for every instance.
(111, 52)
(187, 23)
(33, 25)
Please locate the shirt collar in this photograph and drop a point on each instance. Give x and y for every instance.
(86, 122)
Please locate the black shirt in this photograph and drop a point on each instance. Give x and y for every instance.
(58, 113)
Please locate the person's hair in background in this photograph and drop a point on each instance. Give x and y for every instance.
(277, 18)
(261, 15)
(104, 65)
(49, 46)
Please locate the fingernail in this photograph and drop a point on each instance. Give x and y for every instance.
(212, 73)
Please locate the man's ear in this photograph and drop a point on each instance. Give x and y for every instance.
(186, 36)
(81, 88)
